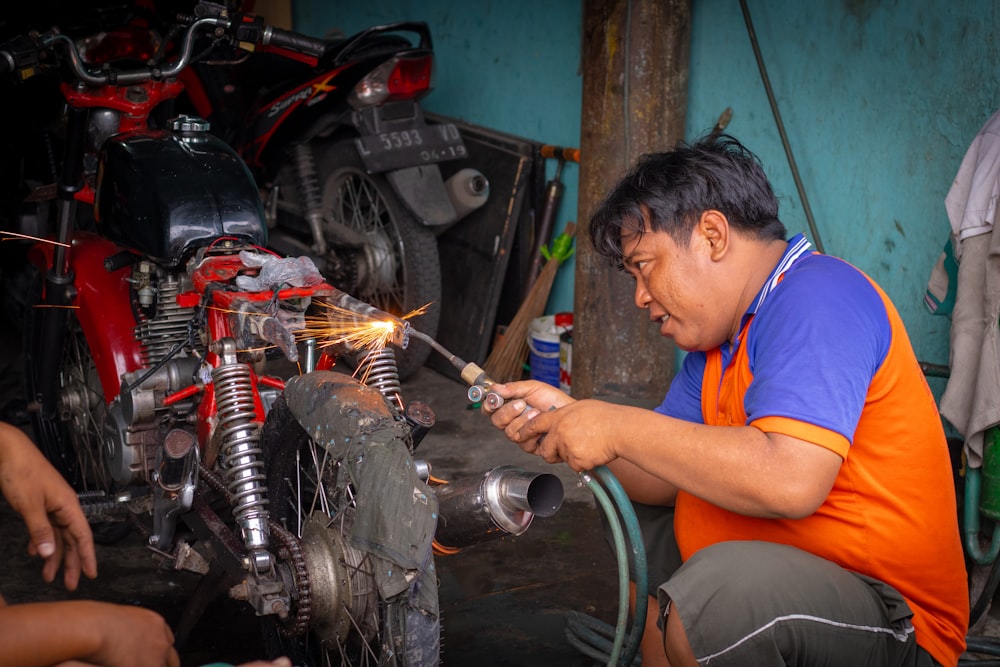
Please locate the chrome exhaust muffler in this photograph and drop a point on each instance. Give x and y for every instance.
(501, 502)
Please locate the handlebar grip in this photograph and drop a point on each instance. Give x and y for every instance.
(294, 41)
(6, 63)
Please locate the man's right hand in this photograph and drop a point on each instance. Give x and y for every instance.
(522, 402)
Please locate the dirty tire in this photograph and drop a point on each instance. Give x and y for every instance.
(414, 637)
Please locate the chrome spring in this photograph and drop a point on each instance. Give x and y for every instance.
(308, 181)
(379, 370)
(240, 434)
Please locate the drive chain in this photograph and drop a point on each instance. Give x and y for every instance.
(289, 551)
(292, 552)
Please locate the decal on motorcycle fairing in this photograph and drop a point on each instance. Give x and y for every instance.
(273, 116)
(286, 102)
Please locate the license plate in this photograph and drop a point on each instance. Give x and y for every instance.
(411, 147)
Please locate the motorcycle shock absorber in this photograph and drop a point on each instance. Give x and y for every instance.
(380, 371)
(240, 435)
(308, 181)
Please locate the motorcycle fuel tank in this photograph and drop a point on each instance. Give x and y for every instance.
(166, 192)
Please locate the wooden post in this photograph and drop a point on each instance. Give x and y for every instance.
(635, 75)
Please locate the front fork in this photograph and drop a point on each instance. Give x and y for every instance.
(59, 290)
(309, 189)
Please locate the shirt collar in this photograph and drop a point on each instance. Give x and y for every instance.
(798, 246)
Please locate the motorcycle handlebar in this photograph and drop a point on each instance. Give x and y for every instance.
(23, 54)
(20, 55)
(294, 41)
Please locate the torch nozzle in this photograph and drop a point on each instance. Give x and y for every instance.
(351, 319)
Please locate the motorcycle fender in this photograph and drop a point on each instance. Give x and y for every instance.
(422, 190)
(102, 307)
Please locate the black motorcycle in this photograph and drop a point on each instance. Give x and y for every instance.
(347, 164)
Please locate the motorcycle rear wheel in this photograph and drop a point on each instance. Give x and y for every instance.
(399, 269)
(294, 463)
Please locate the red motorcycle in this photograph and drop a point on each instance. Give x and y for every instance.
(338, 144)
(156, 318)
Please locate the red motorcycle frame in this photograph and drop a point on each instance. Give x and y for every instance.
(149, 350)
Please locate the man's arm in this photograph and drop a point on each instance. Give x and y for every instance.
(641, 486)
(739, 468)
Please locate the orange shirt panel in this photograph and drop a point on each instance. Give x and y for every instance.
(891, 513)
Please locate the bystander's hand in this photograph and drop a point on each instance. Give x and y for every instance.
(59, 532)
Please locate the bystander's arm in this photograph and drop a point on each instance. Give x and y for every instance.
(99, 633)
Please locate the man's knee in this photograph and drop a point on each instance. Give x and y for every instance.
(675, 641)
(755, 600)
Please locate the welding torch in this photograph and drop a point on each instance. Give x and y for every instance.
(470, 372)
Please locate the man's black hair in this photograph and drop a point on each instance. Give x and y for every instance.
(677, 186)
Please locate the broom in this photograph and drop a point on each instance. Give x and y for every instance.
(506, 360)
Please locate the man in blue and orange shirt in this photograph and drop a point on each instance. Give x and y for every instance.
(799, 445)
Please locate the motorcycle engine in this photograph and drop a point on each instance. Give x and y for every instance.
(138, 421)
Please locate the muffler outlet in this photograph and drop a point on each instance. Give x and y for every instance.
(468, 189)
(501, 502)
(176, 460)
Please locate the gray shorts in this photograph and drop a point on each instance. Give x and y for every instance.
(762, 604)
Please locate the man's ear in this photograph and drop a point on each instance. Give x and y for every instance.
(713, 230)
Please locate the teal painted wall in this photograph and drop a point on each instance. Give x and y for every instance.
(880, 100)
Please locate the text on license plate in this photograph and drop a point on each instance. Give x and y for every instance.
(410, 147)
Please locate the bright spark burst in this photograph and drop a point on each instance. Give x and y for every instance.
(335, 325)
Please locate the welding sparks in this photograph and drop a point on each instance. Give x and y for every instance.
(34, 238)
(358, 327)
(336, 325)
(417, 312)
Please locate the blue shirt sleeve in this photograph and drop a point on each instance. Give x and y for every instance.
(683, 399)
(815, 344)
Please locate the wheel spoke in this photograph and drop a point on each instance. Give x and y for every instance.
(363, 208)
(85, 404)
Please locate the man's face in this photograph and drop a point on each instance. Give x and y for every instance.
(679, 286)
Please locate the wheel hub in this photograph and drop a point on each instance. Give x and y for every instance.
(378, 272)
(342, 584)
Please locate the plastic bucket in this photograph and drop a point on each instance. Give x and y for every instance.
(566, 361)
(543, 347)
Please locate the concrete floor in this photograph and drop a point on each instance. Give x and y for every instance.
(503, 602)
